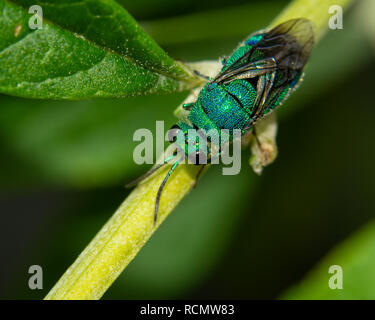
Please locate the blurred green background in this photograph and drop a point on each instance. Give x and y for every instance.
(63, 164)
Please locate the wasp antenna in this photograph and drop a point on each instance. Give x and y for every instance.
(148, 173)
(144, 176)
(201, 75)
(161, 188)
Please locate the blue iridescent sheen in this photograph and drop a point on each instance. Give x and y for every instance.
(254, 39)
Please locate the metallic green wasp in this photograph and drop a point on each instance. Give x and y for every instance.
(256, 79)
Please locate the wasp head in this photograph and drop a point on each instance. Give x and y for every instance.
(190, 143)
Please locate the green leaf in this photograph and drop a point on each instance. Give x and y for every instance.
(85, 49)
(356, 257)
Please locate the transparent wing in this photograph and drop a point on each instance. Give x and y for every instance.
(288, 45)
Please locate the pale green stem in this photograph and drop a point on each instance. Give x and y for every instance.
(131, 226)
(315, 10)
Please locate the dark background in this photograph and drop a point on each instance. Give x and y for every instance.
(63, 164)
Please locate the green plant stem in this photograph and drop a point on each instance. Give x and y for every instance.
(120, 239)
(316, 11)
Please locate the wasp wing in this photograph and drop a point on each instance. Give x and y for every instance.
(289, 45)
(276, 60)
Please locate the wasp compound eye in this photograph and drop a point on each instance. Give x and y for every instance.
(173, 133)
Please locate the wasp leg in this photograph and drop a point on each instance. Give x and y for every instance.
(264, 86)
(188, 106)
(263, 144)
(251, 70)
(201, 169)
(201, 75)
(260, 145)
(199, 174)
